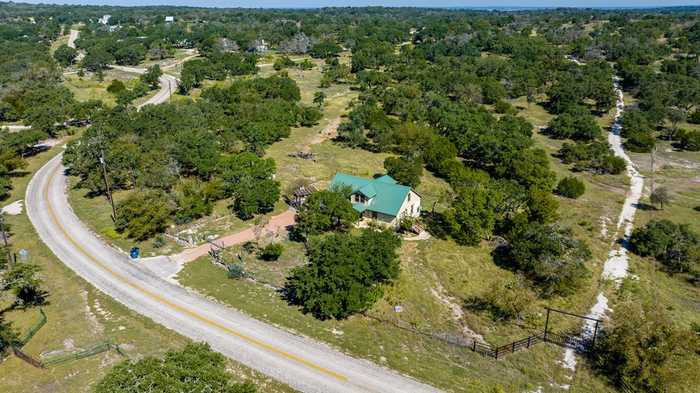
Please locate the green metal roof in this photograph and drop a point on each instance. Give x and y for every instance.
(385, 193)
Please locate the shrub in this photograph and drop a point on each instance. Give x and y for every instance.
(271, 252)
(504, 107)
(549, 256)
(510, 299)
(674, 245)
(570, 187)
(689, 140)
(143, 214)
(309, 116)
(159, 241)
(196, 369)
(405, 170)
(694, 118)
(595, 157)
(283, 62)
(640, 142)
(116, 87)
(234, 271)
(8, 336)
(406, 224)
(23, 281)
(642, 349)
(325, 211)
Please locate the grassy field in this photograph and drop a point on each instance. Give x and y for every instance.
(89, 88)
(437, 277)
(78, 317)
(430, 360)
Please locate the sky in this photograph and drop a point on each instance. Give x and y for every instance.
(387, 3)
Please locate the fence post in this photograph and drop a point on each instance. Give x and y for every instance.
(546, 325)
(474, 345)
(513, 350)
(496, 353)
(528, 341)
(595, 334)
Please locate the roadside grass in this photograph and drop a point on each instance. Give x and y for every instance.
(89, 88)
(80, 316)
(444, 366)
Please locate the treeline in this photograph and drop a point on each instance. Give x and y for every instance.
(30, 93)
(180, 158)
(658, 63)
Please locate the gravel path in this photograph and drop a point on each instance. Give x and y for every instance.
(72, 37)
(616, 265)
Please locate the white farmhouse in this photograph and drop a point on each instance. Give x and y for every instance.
(383, 199)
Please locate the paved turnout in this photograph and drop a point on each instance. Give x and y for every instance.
(302, 363)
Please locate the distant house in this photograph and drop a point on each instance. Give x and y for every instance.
(169, 19)
(259, 46)
(382, 199)
(104, 20)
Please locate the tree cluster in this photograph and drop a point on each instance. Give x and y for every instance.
(345, 273)
(195, 368)
(674, 245)
(180, 158)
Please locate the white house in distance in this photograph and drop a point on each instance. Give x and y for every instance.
(383, 199)
(104, 20)
(169, 19)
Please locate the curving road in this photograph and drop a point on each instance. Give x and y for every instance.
(168, 85)
(300, 362)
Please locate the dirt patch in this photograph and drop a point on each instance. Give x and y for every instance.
(455, 309)
(13, 209)
(328, 133)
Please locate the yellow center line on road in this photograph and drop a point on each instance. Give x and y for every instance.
(177, 307)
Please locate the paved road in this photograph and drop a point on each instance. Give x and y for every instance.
(168, 85)
(302, 363)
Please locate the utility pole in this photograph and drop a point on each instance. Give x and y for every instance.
(653, 168)
(109, 191)
(4, 237)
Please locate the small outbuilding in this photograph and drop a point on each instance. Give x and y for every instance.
(382, 199)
